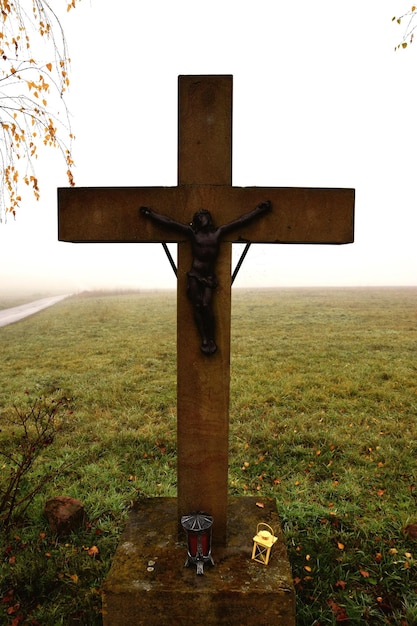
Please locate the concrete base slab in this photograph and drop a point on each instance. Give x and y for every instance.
(148, 583)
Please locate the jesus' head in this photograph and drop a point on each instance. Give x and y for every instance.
(202, 220)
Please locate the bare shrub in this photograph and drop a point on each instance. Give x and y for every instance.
(26, 433)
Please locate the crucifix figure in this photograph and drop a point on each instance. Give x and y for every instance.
(202, 281)
(301, 215)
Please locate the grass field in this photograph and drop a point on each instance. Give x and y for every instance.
(322, 418)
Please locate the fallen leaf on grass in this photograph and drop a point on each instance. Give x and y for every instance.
(93, 551)
(8, 597)
(411, 531)
(339, 611)
(341, 584)
(13, 609)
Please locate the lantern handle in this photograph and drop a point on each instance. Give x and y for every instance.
(265, 525)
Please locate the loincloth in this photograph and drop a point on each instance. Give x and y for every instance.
(204, 281)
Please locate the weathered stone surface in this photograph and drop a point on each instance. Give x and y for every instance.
(64, 514)
(148, 583)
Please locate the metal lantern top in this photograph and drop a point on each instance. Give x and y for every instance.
(264, 535)
(197, 522)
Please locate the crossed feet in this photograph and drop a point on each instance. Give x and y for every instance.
(208, 346)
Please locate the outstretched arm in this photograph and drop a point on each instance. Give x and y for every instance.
(263, 207)
(165, 220)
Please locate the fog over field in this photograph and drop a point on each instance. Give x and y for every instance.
(320, 99)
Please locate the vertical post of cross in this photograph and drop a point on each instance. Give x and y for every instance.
(204, 158)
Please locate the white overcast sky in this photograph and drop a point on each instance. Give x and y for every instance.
(320, 100)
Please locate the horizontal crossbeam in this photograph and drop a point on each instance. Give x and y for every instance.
(298, 215)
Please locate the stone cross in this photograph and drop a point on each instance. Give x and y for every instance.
(297, 215)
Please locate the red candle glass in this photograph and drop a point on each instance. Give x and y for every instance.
(198, 528)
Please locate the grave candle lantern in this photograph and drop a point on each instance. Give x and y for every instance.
(198, 528)
(262, 543)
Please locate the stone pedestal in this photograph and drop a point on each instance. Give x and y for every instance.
(148, 583)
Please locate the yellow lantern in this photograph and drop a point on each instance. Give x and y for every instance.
(262, 543)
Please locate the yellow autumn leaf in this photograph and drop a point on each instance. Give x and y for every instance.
(49, 66)
(340, 545)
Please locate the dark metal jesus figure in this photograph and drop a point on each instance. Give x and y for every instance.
(202, 281)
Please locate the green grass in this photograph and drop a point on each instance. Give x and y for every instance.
(322, 418)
